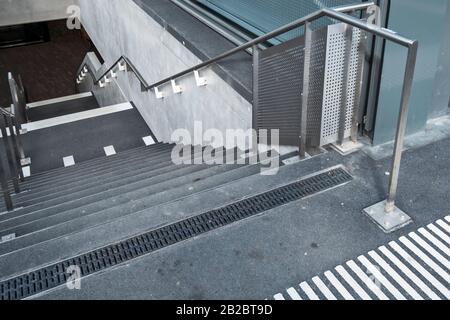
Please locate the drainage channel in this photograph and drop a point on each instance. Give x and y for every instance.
(56, 275)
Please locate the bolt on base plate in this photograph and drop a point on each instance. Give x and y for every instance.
(388, 222)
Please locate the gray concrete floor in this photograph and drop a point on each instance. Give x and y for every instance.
(261, 256)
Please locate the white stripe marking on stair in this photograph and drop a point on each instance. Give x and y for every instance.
(419, 253)
(355, 286)
(59, 100)
(279, 297)
(26, 171)
(380, 277)
(148, 141)
(48, 123)
(309, 291)
(367, 281)
(443, 225)
(415, 279)
(439, 233)
(69, 161)
(435, 241)
(110, 151)
(394, 275)
(430, 250)
(294, 294)
(338, 285)
(421, 270)
(323, 288)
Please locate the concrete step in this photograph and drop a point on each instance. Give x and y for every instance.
(242, 183)
(166, 167)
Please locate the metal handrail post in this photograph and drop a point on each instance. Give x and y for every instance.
(15, 146)
(401, 127)
(4, 186)
(9, 154)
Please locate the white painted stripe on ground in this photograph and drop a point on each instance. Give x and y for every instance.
(443, 225)
(430, 250)
(69, 161)
(309, 291)
(439, 233)
(355, 286)
(59, 100)
(441, 246)
(323, 288)
(294, 294)
(430, 278)
(338, 286)
(447, 218)
(110, 151)
(430, 263)
(394, 275)
(409, 274)
(26, 171)
(279, 297)
(48, 123)
(367, 281)
(383, 280)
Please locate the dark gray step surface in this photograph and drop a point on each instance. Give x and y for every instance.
(62, 108)
(100, 172)
(84, 139)
(166, 168)
(105, 162)
(64, 224)
(93, 162)
(154, 217)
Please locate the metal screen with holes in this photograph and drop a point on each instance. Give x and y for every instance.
(278, 82)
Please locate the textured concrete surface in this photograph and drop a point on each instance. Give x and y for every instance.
(158, 54)
(26, 11)
(255, 258)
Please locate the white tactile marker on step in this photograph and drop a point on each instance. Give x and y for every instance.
(110, 151)
(148, 141)
(69, 161)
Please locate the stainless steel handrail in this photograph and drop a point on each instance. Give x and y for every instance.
(337, 14)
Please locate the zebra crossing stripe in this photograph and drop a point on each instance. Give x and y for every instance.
(430, 278)
(379, 276)
(444, 275)
(435, 241)
(409, 274)
(417, 266)
(383, 264)
(294, 294)
(430, 250)
(439, 233)
(323, 288)
(309, 291)
(355, 286)
(338, 285)
(444, 226)
(367, 281)
(279, 297)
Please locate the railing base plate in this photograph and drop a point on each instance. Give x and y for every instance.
(347, 147)
(388, 222)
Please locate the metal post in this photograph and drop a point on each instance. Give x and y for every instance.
(345, 85)
(305, 94)
(19, 141)
(9, 155)
(256, 52)
(401, 128)
(15, 146)
(5, 188)
(385, 213)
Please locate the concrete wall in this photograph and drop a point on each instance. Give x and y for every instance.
(14, 12)
(120, 27)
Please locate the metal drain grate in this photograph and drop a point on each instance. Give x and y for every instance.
(50, 277)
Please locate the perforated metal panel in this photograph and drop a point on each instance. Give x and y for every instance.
(279, 85)
(334, 81)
